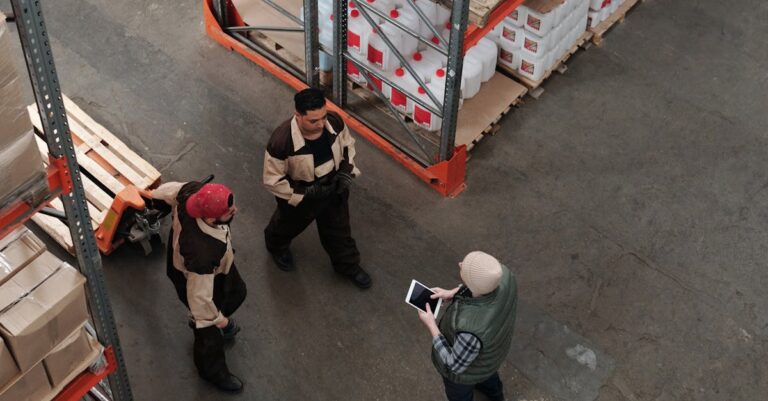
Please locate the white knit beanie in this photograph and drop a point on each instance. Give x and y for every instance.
(481, 272)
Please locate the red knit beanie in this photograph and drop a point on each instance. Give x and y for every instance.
(210, 202)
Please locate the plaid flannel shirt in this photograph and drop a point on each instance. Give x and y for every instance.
(458, 357)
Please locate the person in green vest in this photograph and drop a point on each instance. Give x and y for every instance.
(474, 334)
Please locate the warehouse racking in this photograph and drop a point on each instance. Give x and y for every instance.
(63, 180)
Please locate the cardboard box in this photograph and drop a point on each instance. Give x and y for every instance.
(33, 386)
(8, 368)
(20, 160)
(543, 6)
(69, 356)
(17, 249)
(35, 318)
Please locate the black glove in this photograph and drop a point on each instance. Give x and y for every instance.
(343, 181)
(318, 191)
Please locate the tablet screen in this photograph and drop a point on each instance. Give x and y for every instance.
(418, 296)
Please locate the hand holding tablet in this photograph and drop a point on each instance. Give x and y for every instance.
(419, 296)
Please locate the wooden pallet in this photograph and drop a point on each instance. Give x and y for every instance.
(616, 18)
(534, 87)
(102, 156)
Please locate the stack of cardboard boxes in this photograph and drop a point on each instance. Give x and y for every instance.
(21, 167)
(43, 342)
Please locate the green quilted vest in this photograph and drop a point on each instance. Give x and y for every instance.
(491, 318)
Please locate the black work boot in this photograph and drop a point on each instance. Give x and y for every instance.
(284, 260)
(230, 331)
(229, 383)
(361, 279)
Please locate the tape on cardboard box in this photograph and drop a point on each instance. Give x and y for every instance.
(21, 248)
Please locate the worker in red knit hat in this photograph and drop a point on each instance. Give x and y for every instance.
(201, 267)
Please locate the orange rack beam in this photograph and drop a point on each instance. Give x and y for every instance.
(17, 213)
(475, 33)
(446, 177)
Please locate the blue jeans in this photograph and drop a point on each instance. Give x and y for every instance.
(491, 387)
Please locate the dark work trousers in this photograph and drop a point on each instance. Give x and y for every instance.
(229, 292)
(491, 387)
(332, 217)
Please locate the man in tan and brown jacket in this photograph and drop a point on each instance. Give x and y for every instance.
(309, 166)
(201, 267)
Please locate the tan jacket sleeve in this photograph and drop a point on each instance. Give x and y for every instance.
(348, 142)
(200, 300)
(276, 182)
(168, 192)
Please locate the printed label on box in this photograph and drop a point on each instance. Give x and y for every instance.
(527, 67)
(509, 33)
(534, 22)
(507, 56)
(531, 45)
(514, 16)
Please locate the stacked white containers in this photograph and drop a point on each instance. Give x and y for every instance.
(532, 41)
(600, 10)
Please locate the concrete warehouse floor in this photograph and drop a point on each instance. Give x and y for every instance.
(630, 200)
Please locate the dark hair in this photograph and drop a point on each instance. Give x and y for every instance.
(309, 99)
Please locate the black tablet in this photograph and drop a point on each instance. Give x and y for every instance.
(419, 295)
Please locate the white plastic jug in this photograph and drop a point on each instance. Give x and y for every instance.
(400, 100)
(358, 31)
(512, 34)
(325, 37)
(353, 72)
(473, 73)
(412, 22)
(517, 16)
(509, 55)
(539, 23)
(423, 66)
(438, 78)
(533, 68)
(495, 33)
(423, 117)
(429, 8)
(379, 54)
(487, 52)
(535, 45)
(596, 5)
(435, 57)
(443, 15)
(382, 5)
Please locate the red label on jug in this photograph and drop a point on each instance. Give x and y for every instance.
(353, 41)
(422, 117)
(398, 99)
(375, 56)
(352, 70)
(376, 82)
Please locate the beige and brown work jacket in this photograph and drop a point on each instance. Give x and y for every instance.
(289, 166)
(200, 252)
